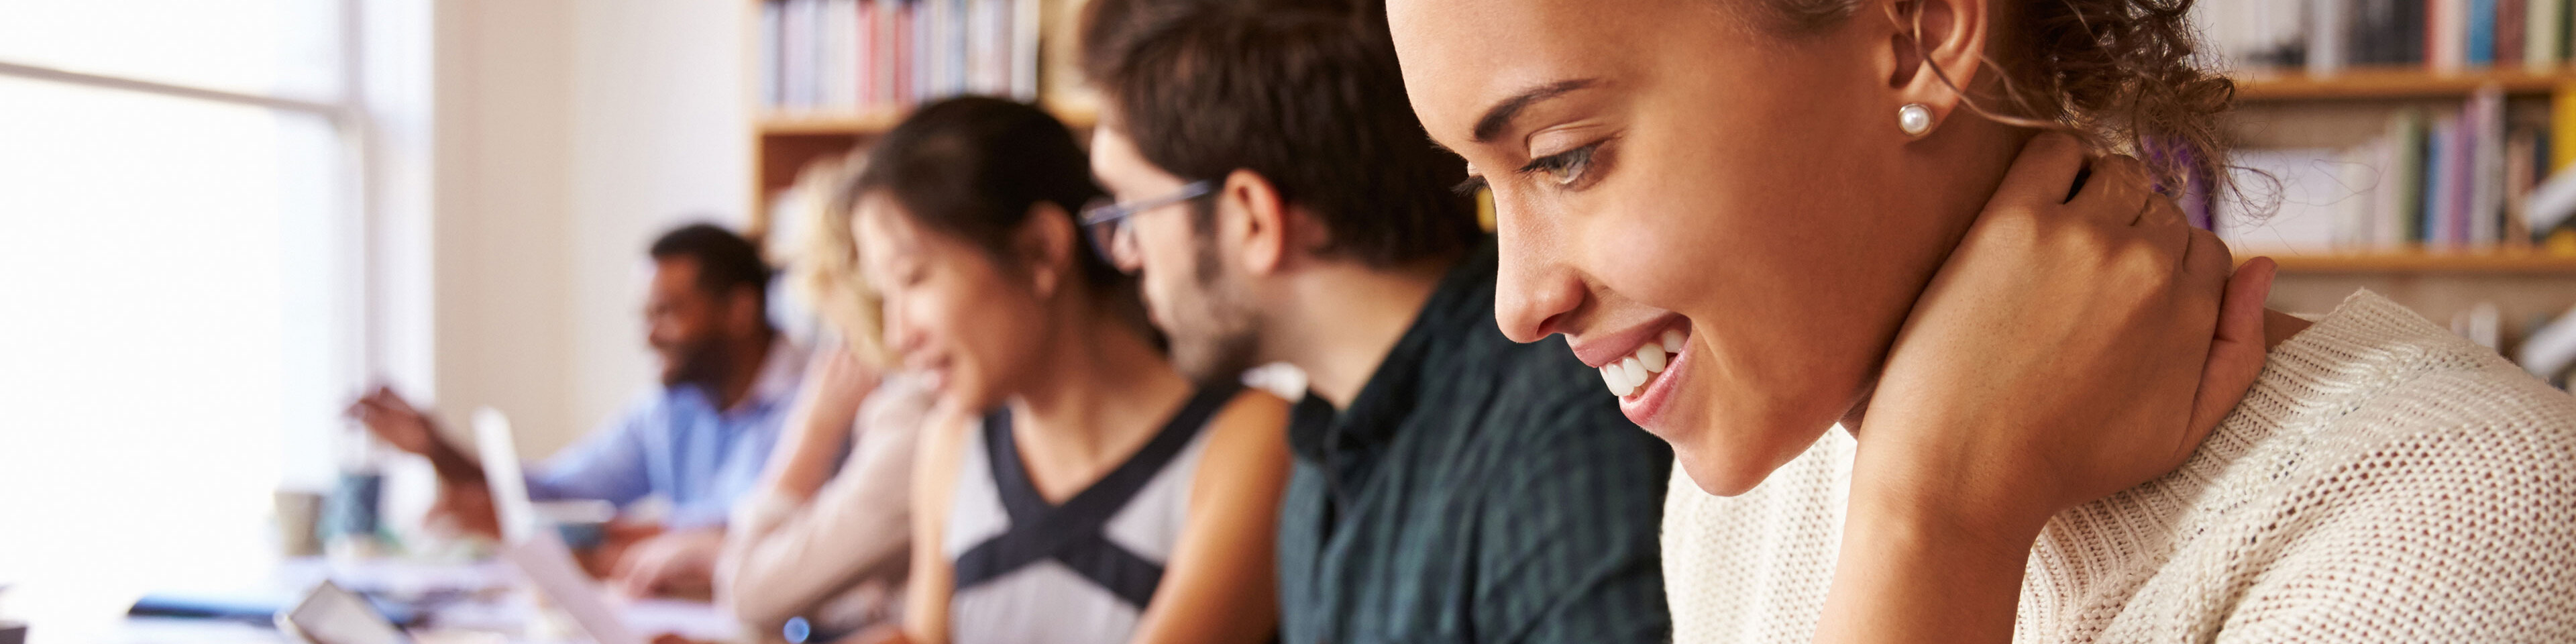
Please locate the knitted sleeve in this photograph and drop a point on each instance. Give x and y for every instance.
(2458, 524)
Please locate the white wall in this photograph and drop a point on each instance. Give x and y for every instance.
(569, 133)
(660, 137)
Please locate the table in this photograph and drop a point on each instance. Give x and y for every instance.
(473, 603)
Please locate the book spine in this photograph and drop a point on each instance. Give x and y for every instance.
(2511, 28)
(2429, 220)
(2405, 209)
(2539, 38)
(2481, 225)
(1027, 19)
(2481, 33)
(907, 67)
(863, 52)
(2409, 29)
(771, 91)
(2459, 178)
(2326, 30)
(2519, 180)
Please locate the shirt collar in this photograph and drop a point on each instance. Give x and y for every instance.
(1463, 301)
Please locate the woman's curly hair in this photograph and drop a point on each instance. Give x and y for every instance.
(2122, 74)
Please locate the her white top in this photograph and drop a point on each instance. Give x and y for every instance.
(839, 559)
(2384, 481)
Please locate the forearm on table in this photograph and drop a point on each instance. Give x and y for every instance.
(452, 464)
(799, 561)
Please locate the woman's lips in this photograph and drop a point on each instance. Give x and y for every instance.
(1644, 403)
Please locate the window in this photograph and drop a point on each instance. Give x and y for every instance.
(183, 216)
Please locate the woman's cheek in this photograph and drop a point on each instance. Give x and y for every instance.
(1644, 250)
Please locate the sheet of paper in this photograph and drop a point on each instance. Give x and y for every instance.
(499, 448)
(548, 564)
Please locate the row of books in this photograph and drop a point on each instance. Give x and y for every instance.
(2454, 179)
(2325, 36)
(2543, 345)
(862, 55)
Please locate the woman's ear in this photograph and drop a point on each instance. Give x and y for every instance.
(1045, 243)
(1934, 51)
(1261, 230)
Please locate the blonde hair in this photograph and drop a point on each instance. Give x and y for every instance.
(825, 268)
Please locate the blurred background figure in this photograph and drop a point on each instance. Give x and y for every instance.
(826, 538)
(1078, 489)
(698, 441)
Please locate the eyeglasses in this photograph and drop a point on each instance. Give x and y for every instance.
(1114, 236)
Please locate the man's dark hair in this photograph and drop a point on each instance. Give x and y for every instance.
(725, 260)
(1305, 93)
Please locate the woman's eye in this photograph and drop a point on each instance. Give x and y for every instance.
(1564, 168)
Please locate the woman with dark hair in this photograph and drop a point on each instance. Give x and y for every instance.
(1079, 489)
(1766, 218)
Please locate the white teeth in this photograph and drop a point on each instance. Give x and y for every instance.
(1626, 376)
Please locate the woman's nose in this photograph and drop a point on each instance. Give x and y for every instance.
(1534, 292)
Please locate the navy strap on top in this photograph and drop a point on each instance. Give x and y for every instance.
(1072, 533)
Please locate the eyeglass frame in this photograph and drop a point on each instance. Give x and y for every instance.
(1117, 214)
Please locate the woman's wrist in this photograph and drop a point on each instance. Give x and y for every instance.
(1956, 494)
(1909, 571)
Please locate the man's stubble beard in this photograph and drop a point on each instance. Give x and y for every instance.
(1220, 337)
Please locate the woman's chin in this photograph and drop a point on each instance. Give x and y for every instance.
(1727, 463)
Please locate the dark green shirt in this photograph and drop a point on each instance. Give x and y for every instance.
(1477, 490)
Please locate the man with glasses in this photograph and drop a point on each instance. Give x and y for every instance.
(1282, 204)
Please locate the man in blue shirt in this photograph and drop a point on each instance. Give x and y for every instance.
(698, 441)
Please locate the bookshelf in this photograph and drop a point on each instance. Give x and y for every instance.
(2292, 108)
(2524, 285)
(2465, 263)
(863, 64)
(2394, 83)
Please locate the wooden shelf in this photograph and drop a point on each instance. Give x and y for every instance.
(844, 124)
(874, 122)
(2392, 83)
(2461, 262)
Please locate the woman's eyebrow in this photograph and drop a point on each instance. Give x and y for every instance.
(1502, 113)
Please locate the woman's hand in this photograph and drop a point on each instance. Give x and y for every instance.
(2067, 350)
(818, 426)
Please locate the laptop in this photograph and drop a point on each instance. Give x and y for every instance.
(532, 545)
(333, 615)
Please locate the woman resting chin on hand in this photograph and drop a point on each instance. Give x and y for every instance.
(2060, 418)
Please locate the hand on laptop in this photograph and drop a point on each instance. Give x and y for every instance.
(679, 562)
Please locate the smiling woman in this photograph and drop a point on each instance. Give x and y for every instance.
(1764, 218)
(1079, 491)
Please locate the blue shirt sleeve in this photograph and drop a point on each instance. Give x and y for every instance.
(611, 464)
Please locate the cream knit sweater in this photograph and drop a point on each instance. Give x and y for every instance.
(2385, 481)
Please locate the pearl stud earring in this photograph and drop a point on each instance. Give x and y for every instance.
(1914, 118)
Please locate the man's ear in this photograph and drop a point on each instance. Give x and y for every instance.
(743, 308)
(1251, 214)
(1933, 53)
(1045, 243)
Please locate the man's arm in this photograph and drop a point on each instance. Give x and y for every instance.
(608, 465)
(393, 420)
(1567, 543)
